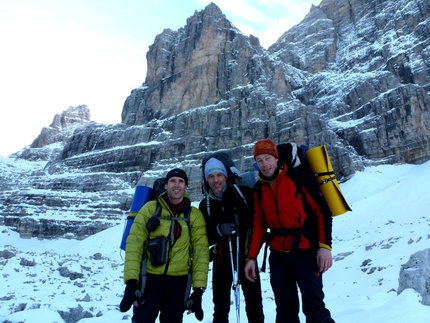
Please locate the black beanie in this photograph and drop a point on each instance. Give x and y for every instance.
(177, 172)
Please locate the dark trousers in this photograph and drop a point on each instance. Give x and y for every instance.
(286, 273)
(222, 287)
(163, 295)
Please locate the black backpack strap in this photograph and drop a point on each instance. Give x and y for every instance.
(158, 210)
(237, 191)
(142, 274)
(331, 177)
(263, 265)
(257, 189)
(190, 272)
(208, 204)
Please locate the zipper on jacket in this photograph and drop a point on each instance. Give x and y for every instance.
(170, 244)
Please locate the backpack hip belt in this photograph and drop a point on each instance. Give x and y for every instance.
(294, 232)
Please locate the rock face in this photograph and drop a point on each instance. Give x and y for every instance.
(370, 70)
(353, 75)
(415, 274)
(196, 66)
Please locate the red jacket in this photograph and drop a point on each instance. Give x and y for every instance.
(279, 205)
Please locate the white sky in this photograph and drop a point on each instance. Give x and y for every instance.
(389, 222)
(61, 53)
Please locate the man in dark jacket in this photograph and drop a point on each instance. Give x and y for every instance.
(170, 245)
(289, 203)
(227, 214)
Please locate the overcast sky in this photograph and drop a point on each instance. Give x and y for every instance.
(61, 53)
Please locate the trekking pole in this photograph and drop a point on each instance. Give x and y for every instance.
(235, 275)
(237, 290)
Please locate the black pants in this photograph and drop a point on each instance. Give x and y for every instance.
(222, 286)
(163, 295)
(286, 272)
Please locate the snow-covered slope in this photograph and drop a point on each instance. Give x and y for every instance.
(389, 222)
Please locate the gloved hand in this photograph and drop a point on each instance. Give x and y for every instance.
(152, 223)
(226, 229)
(194, 303)
(129, 296)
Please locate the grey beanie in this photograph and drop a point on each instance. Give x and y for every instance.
(213, 165)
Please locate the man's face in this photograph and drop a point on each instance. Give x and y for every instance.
(216, 182)
(175, 188)
(267, 164)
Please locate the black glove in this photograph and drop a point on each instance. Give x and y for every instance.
(194, 303)
(129, 296)
(152, 223)
(226, 229)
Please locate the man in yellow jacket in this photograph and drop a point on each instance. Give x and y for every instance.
(169, 249)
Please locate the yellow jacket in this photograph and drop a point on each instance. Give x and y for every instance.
(182, 254)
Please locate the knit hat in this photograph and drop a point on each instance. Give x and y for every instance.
(265, 146)
(177, 172)
(213, 165)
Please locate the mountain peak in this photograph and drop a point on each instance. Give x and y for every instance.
(213, 10)
(62, 126)
(189, 68)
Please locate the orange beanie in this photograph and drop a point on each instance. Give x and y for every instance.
(265, 146)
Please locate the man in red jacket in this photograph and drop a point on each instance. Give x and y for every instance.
(289, 203)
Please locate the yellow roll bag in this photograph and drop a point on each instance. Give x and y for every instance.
(320, 164)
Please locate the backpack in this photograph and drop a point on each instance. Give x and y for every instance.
(294, 156)
(158, 187)
(234, 177)
(142, 195)
(316, 162)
